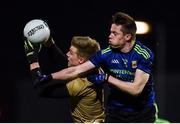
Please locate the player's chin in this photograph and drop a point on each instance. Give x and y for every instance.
(111, 44)
(114, 46)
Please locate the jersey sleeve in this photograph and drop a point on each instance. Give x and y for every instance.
(57, 56)
(96, 59)
(146, 65)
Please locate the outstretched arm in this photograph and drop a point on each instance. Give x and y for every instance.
(73, 72)
(64, 74)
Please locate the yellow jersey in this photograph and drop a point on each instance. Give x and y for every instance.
(86, 101)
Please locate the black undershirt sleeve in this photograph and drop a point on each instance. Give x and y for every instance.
(57, 56)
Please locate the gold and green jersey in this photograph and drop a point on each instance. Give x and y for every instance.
(86, 101)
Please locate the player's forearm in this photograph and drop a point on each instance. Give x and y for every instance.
(128, 87)
(65, 74)
(73, 72)
(34, 65)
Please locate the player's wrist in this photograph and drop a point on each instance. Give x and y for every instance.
(32, 57)
(34, 65)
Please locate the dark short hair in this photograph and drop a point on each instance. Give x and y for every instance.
(127, 22)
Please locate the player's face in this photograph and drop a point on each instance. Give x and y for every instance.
(116, 37)
(73, 58)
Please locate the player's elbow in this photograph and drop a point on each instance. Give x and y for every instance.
(136, 91)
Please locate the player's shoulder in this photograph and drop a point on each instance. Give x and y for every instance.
(75, 87)
(78, 83)
(143, 50)
(106, 50)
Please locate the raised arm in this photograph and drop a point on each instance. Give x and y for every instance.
(56, 54)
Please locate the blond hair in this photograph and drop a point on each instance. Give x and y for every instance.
(85, 45)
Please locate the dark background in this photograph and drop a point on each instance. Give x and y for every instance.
(66, 18)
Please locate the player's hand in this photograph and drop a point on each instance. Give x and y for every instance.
(31, 51)
(39, 78)
(49, 42)
(98, 78)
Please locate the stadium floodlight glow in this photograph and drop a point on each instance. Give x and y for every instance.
(142, 27)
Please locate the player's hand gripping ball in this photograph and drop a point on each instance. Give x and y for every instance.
(37, 31)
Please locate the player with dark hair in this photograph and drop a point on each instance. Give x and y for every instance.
(128, 68)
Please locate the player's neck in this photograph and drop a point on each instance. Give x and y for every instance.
(127, 47)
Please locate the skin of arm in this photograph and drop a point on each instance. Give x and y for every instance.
(134, 88)
(73, 71)
(34, 65)
(68, 73)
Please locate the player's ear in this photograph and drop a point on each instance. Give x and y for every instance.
(128, 37)
(81, 60)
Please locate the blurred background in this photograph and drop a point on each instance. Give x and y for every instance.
(66, 18)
